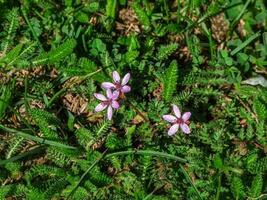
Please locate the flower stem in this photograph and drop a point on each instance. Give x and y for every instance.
(139, 112)
(147, 152)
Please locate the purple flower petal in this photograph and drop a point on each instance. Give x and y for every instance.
(176, 111)
(115, 104)
(107, 85)
(185, 128)
(125, 79)
(125, 89)
(116, 76)
(110, 112)
(109, 94)
(186, 116)
(173, 129)
(169, 118)
(115, 95)
(100, 97)
(100, 107)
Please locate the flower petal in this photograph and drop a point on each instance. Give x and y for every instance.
(109, 94)
(110, 112)
(173, 129)
(100, 97)
(125, 79)
(169, 118)
(100, 107)
(115, 95)
(107, 85)
(116, 76)
(186, 116)
(185, 128)
(125, 89)
(115, 104)
(176, 111)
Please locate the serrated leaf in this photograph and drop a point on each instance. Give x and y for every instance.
(170, 81)
(256, 186)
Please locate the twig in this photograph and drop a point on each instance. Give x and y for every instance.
(248, 109)
(139, 112)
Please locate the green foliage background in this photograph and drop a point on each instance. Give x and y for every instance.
(53, 50)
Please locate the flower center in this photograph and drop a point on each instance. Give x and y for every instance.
(179, 121)
(117, 85)
(107, 102)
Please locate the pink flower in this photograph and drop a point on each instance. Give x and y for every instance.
(117, 84)
(107, 102)
(178, 121)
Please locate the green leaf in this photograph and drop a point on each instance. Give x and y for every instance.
(12, 21)
(57, 54)
(34, 138)
(256, 186)
(242, 58)
(165, 51)
(260, 108)
(218, 163)
(111, 8)
(141, 14)
(5, 98)
(170, 81)
(237, 187)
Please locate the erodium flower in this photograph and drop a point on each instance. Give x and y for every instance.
(117, 84)
(178, 121)
(109, 102)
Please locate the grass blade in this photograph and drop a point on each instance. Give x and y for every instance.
(244, 44)
(23, 155)
(36, 139)
(190, 181)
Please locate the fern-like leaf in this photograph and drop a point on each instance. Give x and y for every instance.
(12, 21)
(170, 81)
(141, 14)
(165, 51)
(5, 98)
(46, 122)
(43, 170)
(14, 146)
(20, 59)
(237, 187)
(87, 137)
(256, 186)
(260, 108)
(57, 54)
(258, 166)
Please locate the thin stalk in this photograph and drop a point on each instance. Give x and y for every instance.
(147, 152)
(57, 95)
(120, 153)
(138, 111)
(207, 16)
(63, 90)
(245, 43)
(166, 10)
(178, 13)
(191, 182)
(23, 155)
(239, 16)
(219, 187)
(34, 138)
(32, 30)
(86, 172)
(151, 193)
